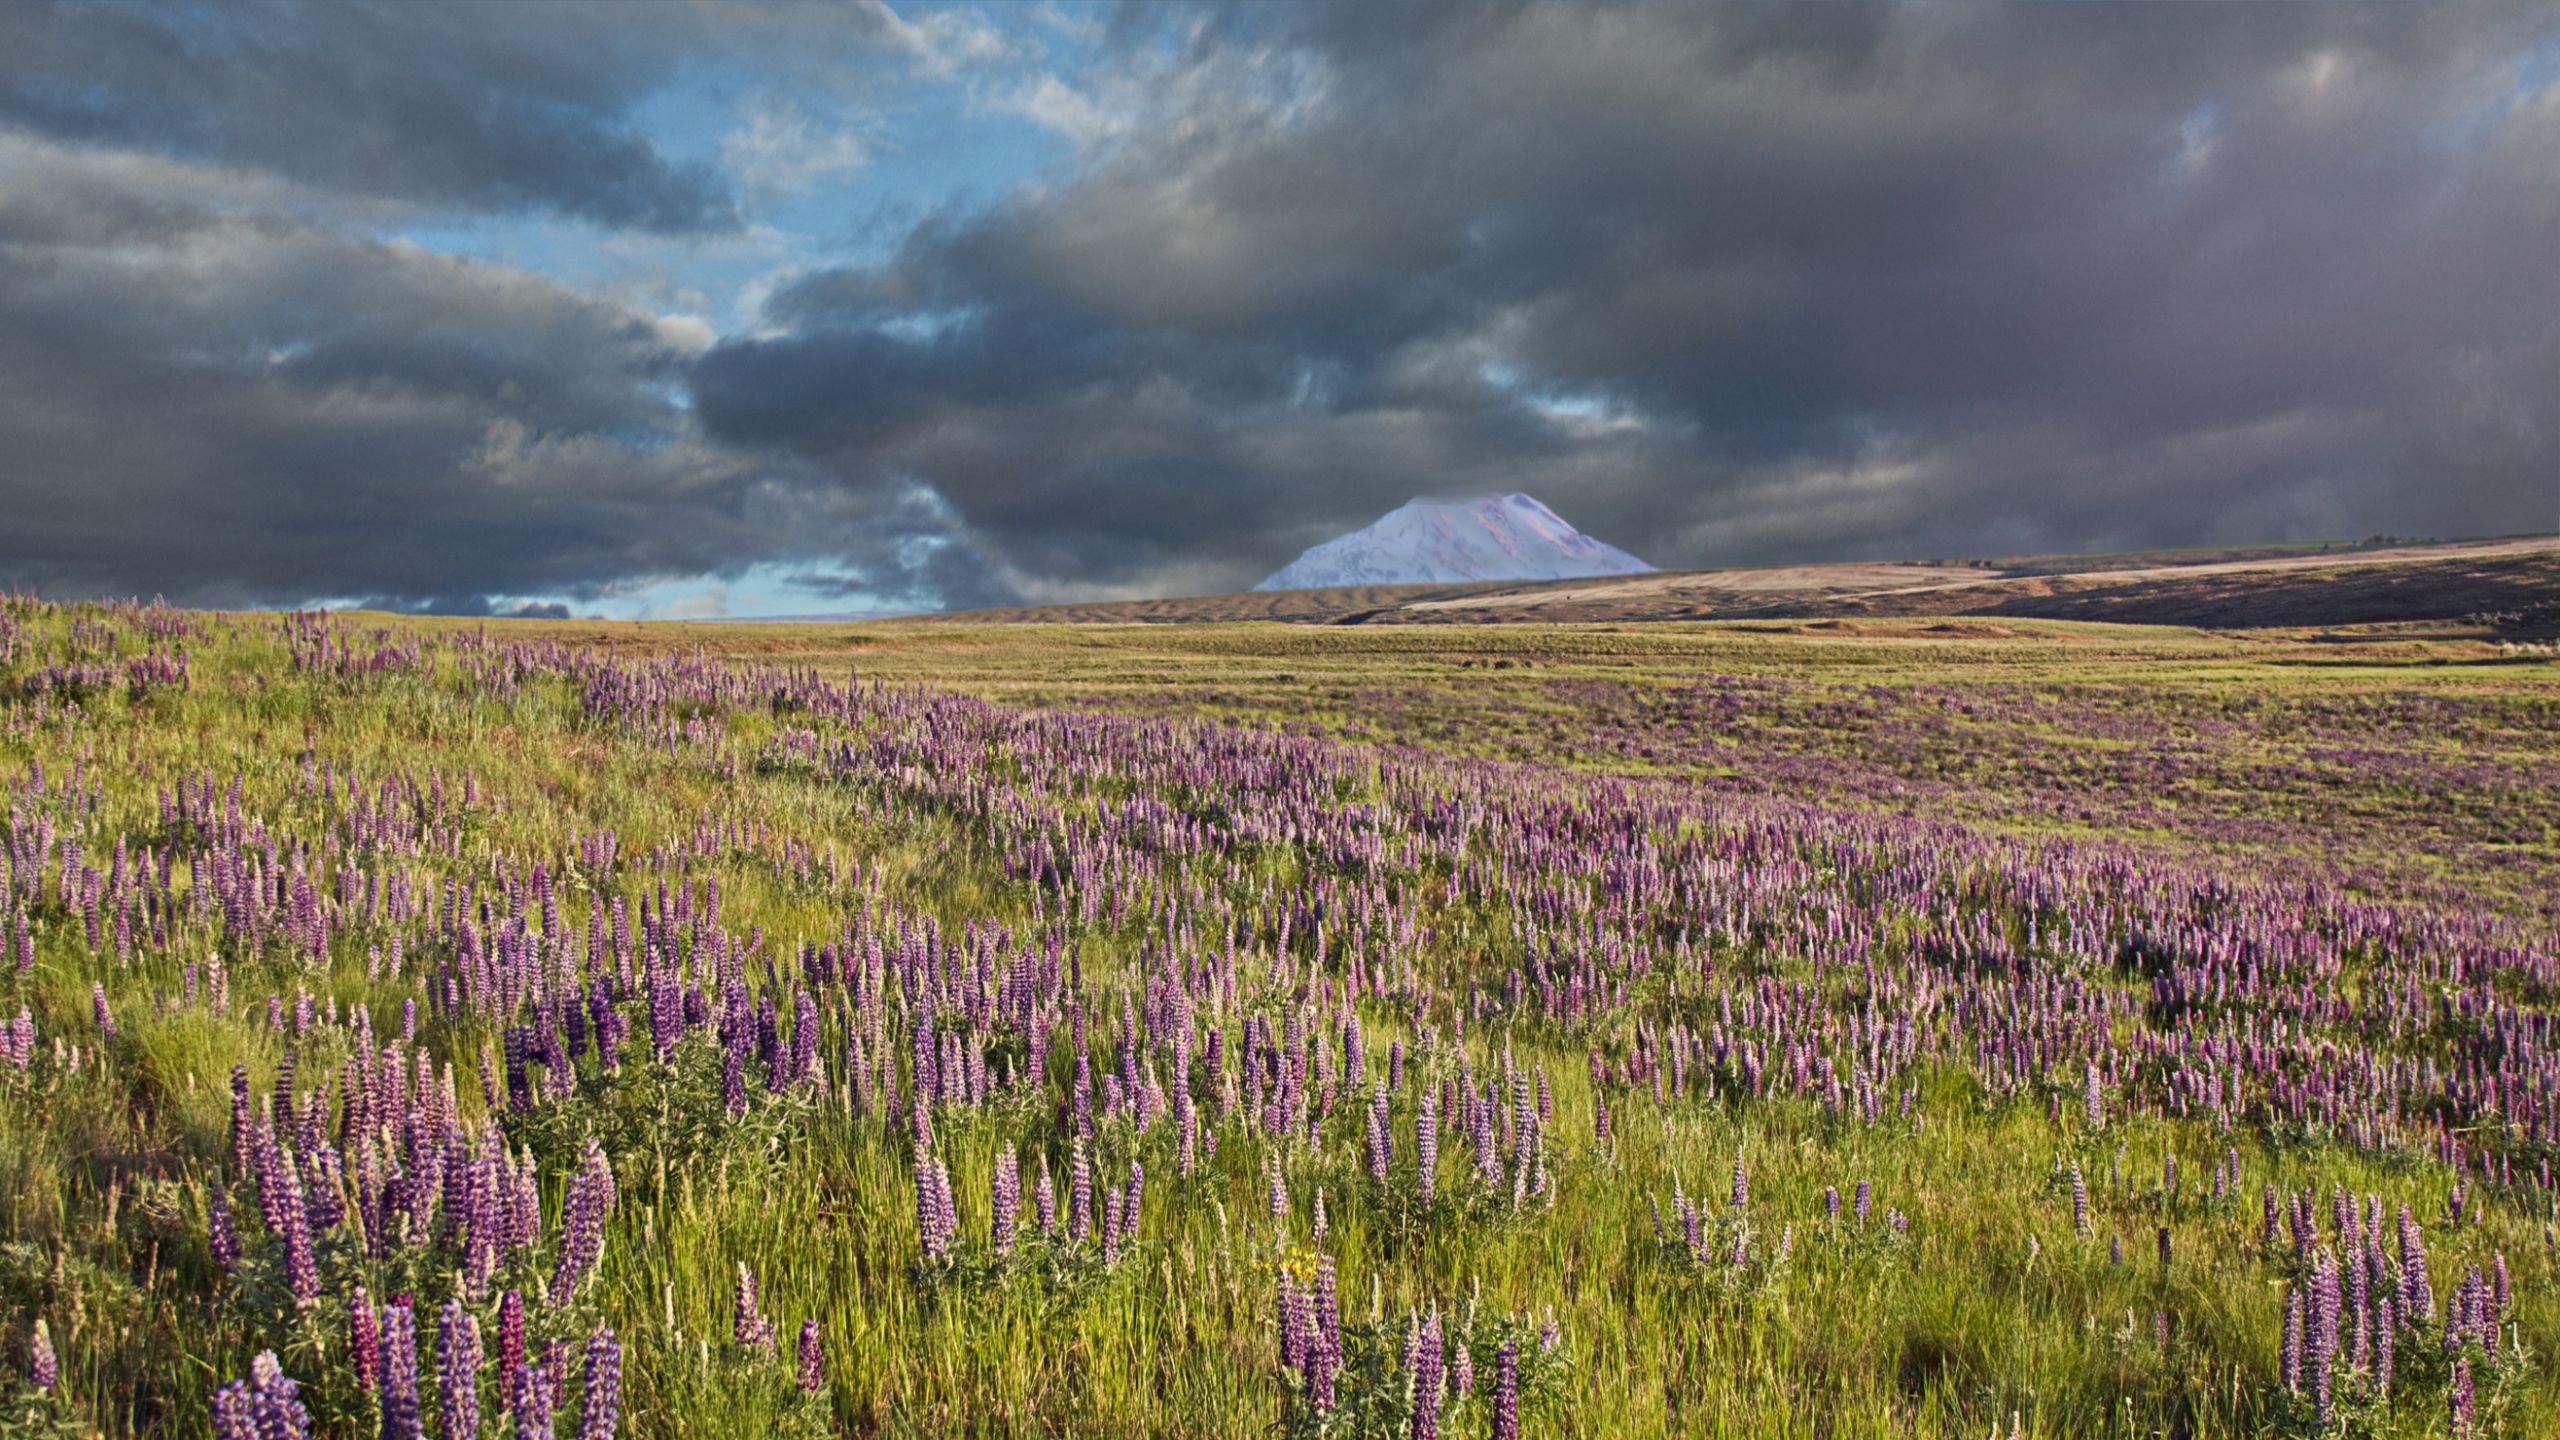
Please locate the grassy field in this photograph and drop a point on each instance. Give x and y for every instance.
(2280, 751)
(1900, 1027)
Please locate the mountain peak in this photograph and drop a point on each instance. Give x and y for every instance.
(1432, 540)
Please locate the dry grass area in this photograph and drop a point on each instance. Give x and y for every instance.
(2514, 582)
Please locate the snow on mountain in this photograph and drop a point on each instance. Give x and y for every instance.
(1493, 537)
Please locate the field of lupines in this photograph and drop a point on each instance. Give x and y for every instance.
(473, 1031)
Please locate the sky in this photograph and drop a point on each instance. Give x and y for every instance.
(662, 309)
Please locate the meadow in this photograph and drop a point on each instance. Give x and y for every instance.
(1916, 1027)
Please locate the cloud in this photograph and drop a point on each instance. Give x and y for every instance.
(781, 152)
(462, 106)
(1740, 284)
(247, 408)
(1723, 285)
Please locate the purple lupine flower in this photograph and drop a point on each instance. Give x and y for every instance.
(747, 1323)
(1006, 1192)
(364, 1340)
(1862, 1199)
(1293, 1326)
(275, 1402)
(804, 1038)
(98, 1009)
(2289, 1353)
(457, 1373)
(511, 1342)
(733, 1078)
(301, 1263)
(600, 1408)
(2079, 1202)
(1741, 1184)
(2387, 1321)
(2359, 1309)
(234, 1412)
(1130, 1198)
(2417, 1296)
(1426, 1144)
(1506, 1391)
(813, 1357)
(2320, 1336)
(529, 1400)
(43, 1369)
(582, 1217)
(1328, 1309)
(2458, 1399)
(399, 1371)
(1462, 1368)
(936, 1219)
(1426, 1369)
(1319, 1336)
(2483, 1312)
(1079, 1192)
(1377, 1133)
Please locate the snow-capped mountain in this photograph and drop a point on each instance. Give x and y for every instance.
(1493, 537)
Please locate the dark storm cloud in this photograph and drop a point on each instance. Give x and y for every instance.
(479, 105)
(229, 406)
(1728, 284)
(1722, 284)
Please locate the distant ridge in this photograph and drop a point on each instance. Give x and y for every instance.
(2505, 585)
(1442, 542)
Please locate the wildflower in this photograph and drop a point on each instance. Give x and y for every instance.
(582, 1217)
(1006, 1185)
(511, 1342)
(600, 1408)
(530, 1403)
(457, 1372)
(747, 1323)
(399, 1372)
(364, 1340)
(812, 1357)
(1426, 1370)
(1506, 1391)
(1426, 1144)
(234, 1412)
